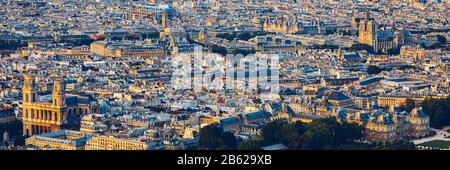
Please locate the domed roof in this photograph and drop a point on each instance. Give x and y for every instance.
(417, 112)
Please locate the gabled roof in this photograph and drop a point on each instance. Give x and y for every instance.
(351, 56)
(385, 34)
(259, 114)
(229, 120)
(335, 95)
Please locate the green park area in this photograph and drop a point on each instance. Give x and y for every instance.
(437, 144)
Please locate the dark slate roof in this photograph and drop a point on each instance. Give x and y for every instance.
(71, 100)
(289, 110)
(287, 92)
(371, 80)
(351, 56)
(256, 115)
(229, 120)
(365, 117)
(385, 34)
(404, 33)
(182, 117)
(342, 115)
(334, 95)
(386, 119)
(6, 112)
(275, 106)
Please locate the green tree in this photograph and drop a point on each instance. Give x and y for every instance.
(211, 136)
(324, 133)
(441, 39)
(327, 133)
(438, 110)
(348, 133)
(320, 133)
(14, 128)
(410, 104)
(19, 141)
(359, 47)
(229, 140)
(281, 132)
(372, 69)
(254, 144)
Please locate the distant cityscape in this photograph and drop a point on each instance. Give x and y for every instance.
(224, 75)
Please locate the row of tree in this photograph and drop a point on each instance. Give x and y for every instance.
(326, 133)
(373, 69)
(438, 110)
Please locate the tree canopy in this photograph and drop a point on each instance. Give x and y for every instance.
(213, 137)
(324, 133)
(372, 69)
(438, 110)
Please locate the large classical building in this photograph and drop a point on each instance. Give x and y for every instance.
(112, 143)
(118, 49)
(389, 125)
(62, 112)
(366, 29)
(388, 41)
(150, 11)
(282, 25)
(382, 41)
(63, 140)
(393, 100)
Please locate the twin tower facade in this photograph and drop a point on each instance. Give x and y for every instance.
(42, 117)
